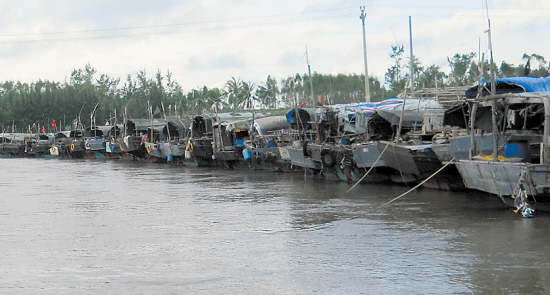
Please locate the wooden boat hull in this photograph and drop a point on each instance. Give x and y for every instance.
(365, 155)
(416, 160)
(300, 160)
(501, 178)
(421, 162)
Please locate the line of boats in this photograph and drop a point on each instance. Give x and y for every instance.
(491, 141)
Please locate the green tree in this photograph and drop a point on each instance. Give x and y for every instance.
(431, 77)
(239, 94)
(267, 93)
(509, 70)
(463, 69)
(538, 66)
(394, 75)
(199, 100)
(215, 99)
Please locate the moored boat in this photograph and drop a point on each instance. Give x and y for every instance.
(518, 165)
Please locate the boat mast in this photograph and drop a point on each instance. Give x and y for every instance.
(150, 111)
(310, 81)
(412, 56)
(114, 125)
(167, 125)
(125, 120)
(411, 82)
(475, 105)
(546, 134)
(493, 92)
(92, 119)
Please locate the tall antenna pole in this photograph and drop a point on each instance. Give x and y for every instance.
(367, 90)
(310, 81)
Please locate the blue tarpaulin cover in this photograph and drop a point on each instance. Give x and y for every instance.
(513, 85)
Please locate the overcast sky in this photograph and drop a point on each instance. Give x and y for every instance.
(208, 42)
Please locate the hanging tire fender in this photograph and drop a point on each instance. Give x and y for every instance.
(328, 158)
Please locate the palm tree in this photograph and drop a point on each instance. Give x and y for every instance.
(232, 92)
(215, 99)
(267, 93)
(198, 100)
(239, 94)
(247, 90)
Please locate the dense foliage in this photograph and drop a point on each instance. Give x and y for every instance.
(92, 98)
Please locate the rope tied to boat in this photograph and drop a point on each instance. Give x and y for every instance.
(418, 185)
(372, 167)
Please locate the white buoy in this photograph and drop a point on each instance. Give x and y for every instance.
(54, 151)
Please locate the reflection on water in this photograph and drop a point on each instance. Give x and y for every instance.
(119, 227)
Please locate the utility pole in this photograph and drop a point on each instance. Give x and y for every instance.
(367, 90)
(412, 57)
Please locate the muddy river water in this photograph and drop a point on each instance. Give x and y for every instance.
(121, 227)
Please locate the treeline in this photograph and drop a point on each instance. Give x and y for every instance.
(92, 98)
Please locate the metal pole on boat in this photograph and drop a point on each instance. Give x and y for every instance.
(495, 128)
(167, 125)
(367, 90)
(310, 81)
(92, 118)
(473, 148)
(493, 100)
(546, 134)
(397, 139)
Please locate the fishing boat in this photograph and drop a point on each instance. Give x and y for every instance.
(218, 139)
(411, 153)
(199, 145)
(13, 144)
(101, 141)
(168, 143)
(138, 132)
(339, 141)
(518, 171)
(458, 143)
(266, 146)
(303, 129)
(38, 145)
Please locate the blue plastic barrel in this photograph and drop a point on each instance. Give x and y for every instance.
(518, 149)
(246, 154)
(239, 142)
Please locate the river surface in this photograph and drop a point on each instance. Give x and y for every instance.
(122, 227)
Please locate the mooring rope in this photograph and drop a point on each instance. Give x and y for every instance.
(424, 181)
(372, 167)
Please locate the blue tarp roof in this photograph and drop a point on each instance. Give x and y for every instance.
(513, 85)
